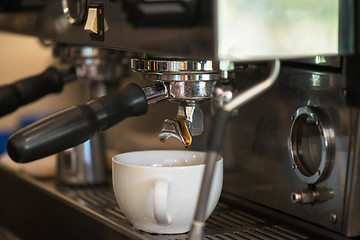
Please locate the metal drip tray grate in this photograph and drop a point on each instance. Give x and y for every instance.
(266, 233)
(50, 210)
(225, 222)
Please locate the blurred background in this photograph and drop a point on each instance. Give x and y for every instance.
(23, 56)
(20, 57)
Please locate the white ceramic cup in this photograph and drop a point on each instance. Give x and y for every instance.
(158, 190)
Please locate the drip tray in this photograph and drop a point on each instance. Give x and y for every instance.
(43, 208)
(224, 223)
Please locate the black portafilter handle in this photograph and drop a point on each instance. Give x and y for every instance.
(76, 124)
(15, 95)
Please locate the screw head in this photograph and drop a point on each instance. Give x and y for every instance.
(343, 92)
(333, 217)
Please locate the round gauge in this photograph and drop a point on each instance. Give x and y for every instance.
(311, 144)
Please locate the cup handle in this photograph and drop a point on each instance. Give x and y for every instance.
(161, 191)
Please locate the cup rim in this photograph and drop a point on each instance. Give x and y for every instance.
(115, 161)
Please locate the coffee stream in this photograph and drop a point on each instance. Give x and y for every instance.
(187, 139)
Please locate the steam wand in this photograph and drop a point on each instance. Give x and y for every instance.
(215, 144)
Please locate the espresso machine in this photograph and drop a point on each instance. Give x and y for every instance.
(271, 85)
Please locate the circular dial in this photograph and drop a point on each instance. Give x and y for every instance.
(311, 144)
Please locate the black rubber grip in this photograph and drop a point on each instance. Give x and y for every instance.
(75, 124)
(218, 130)
(24, 91)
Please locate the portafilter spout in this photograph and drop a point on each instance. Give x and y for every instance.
(76, 124)
(189, 122)
(215, 144)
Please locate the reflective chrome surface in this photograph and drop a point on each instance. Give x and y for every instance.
(187, 82)
(94, 63)
(312, 196)
(175, 128)
(258, 160)
(191, 91)
(311, 144)
(159, 66)
(100, 70)
(256, 90)
(156, 93)
(189, 122)
(223, 92)
(84, 164)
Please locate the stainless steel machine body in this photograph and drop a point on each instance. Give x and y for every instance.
(293, 151)
(193, 40)
(281, 151)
